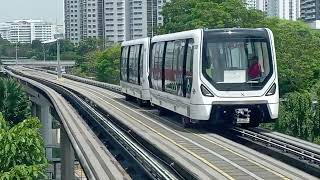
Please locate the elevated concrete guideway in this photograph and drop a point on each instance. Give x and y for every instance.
(34, 63)
(76, 139)
(207, 155)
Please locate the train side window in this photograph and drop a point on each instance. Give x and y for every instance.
(156, 69)
(160, 59)
(189, 68)
(121, 63)
(140, 70)
(132, 64)
(124, 64)
(169, 78)
(180, 56)
(136, 64)
(152, 66)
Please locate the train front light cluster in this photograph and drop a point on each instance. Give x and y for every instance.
(272, 90)
(205, 91)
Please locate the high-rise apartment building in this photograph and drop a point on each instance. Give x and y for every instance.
(257, 4)
(5, 30)
(112, 20)
(73, 20)
(160, 5)
(26, 31)
(279, 8)
(284, 9)
(310, 12)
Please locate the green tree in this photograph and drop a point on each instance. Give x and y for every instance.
(109, 64)
(298, 54)
(14, 103)
(67, 50)
(90, 44)
(296, 116)
(3, 45)
(36, 45)
(90, 64)
(22, 153)
(299, 117)
(180, 15)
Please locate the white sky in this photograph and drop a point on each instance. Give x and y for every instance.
(48, 10)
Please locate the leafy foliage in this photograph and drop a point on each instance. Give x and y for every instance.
(22, 153)
(89, 45)
(180, 15)
(103, 65)
(298, 50)
(14, 103)
(108, 65)
(299, 117)
(36, 50)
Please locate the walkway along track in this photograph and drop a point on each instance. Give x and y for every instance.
(95, 160)
(205, 152)
(153, 167)
(297, 154)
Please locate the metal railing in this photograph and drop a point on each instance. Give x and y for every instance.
(292, 152)
(37, 63)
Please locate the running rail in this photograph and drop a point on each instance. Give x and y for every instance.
(155, 169)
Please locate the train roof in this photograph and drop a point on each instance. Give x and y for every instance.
(178, 35)
(218, 32)
(222, 32)
(136, 41)
(238, 32)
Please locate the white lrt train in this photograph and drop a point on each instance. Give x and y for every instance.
(218, 76)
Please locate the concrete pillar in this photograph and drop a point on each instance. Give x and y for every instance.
(46, 120)
(67, 156)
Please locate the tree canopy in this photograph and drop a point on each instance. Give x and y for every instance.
(298, 54)
(14, 103)
(90, 44)
(36, 50)
(22, 153)
(181, 15)
(108, 65)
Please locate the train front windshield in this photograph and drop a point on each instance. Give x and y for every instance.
(237, 64)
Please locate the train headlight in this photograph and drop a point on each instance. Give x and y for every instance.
(205, 91)
(272, 90)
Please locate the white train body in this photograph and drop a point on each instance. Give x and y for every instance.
(139, 85)
(223, 75)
